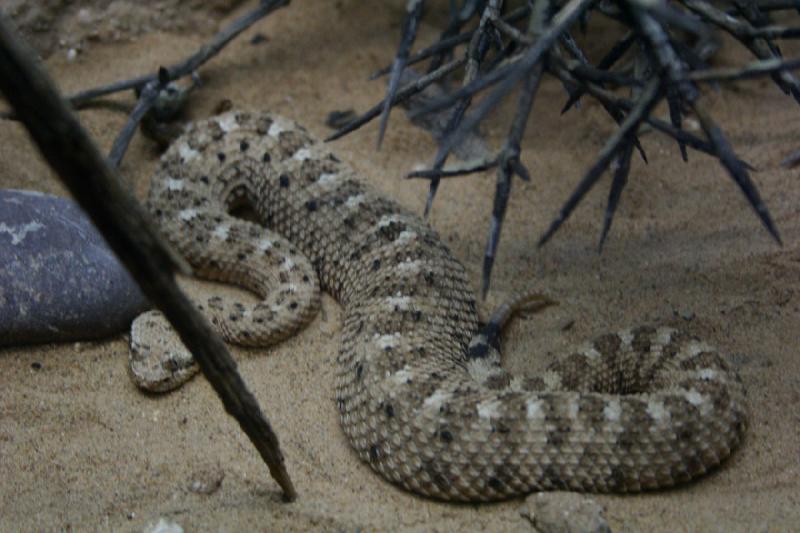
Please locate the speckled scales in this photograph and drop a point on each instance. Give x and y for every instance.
(635, 410)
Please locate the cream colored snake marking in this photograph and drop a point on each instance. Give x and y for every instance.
(420, 390)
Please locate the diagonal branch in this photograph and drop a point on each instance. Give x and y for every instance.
(129, 231)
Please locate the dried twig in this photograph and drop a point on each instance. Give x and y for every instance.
(413, 15)
(149, 85)
(127, 228)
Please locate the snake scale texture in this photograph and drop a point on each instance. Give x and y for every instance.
(420, 391)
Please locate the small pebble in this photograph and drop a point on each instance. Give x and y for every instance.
(564, 512)
(206, 480)
(164, 526)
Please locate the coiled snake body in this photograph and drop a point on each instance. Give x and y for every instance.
(421, 394)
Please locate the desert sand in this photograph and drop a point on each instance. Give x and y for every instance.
(81, 448)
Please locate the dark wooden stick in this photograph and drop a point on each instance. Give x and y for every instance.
(153, 83)
(190, 64)
(127, 228)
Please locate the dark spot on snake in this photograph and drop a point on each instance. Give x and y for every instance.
(695, 466)
(293, 305)
(389, 409)
(233, 318)
(36, 365)
(550, 478)
(641, 338)
(243, 146)
(241, 256)
(616, 480)
(266, 158)
(359, 370)
(417, 316)
(495, 484)
(334, 158)
(204, 179)
(376, 264)
(305, 278)
(446, 436)
(373, 453)
(311, 205)
(555, 438)
(221, 157)
(283, 181)
(479, 350)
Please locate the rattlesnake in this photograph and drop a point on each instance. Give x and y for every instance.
(420, 390)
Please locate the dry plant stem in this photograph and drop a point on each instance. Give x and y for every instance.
(406, 91)
(193, 62)
(151, 88)
(413, 15)
(752, 38)
(146, 101)
(618, 182)
(506, 77)
(673, 71)
(450, 43)
(454, 172)
(756, 69)
(613, 55)
(509, 164)
(608, 98)
(126, 227)
(645, 103)
(474, 55)
(739, 174)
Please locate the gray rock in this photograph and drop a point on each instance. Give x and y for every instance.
(58, 279)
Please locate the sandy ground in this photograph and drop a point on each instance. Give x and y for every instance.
(81, 448)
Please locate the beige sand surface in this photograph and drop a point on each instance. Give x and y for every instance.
(82, 449)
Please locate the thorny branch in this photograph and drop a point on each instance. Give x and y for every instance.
(653, 61)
